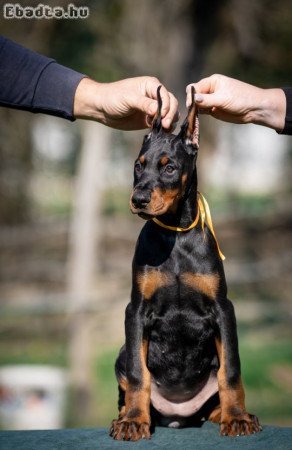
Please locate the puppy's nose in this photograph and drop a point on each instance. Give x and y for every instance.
(140, 199)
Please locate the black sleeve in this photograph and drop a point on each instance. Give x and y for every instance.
(34, 82)
(288, 119)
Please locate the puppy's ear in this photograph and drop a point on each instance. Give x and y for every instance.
(156, 124)
(190, 132)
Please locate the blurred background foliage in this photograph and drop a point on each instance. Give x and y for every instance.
(245, 173)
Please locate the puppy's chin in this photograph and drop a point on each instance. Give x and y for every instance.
(148, 215)
(145, 216)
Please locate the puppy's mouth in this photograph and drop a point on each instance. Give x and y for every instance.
(149, 212)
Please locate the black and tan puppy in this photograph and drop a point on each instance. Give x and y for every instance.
(180, 363)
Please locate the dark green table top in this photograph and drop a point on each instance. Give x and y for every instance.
(204, 438)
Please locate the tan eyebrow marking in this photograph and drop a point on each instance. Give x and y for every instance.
(142, 159)
(164, 160)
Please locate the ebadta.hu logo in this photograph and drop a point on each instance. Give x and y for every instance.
(16, 11)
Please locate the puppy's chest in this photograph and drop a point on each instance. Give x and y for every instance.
(185, 284)
(180, 269)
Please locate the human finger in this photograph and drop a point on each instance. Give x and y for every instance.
(172, 115)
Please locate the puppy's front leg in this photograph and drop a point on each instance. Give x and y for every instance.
(235, 420)
(134, 424)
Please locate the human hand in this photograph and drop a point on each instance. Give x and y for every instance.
(128, 104)
(237, 102)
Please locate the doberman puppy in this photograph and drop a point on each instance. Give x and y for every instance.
(180, 363)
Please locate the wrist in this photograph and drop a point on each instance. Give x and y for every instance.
(88, 100)
(271, 109)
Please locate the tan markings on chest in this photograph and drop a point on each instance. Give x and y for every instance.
(152, 280)
(205, 283)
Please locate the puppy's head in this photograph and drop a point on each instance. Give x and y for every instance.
(165, 166)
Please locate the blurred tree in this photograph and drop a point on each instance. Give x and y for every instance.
(15, 167)
(85, 233)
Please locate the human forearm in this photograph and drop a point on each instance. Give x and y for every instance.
(270, 109)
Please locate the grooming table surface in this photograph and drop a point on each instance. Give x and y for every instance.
(204, 438)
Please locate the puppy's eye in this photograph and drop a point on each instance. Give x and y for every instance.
(138, 167)
(169, 169)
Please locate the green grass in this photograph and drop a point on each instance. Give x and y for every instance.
(107, 387)
(257, 363)
(33, 351)
(267, 395)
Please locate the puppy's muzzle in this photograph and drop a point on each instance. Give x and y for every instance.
(140, 199)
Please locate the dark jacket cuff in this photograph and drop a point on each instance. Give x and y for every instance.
(288, 119)
(55, 91)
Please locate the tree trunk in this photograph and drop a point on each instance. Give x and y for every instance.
(84, 236)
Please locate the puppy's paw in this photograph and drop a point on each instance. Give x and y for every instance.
(129, 430)
(240, 426)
